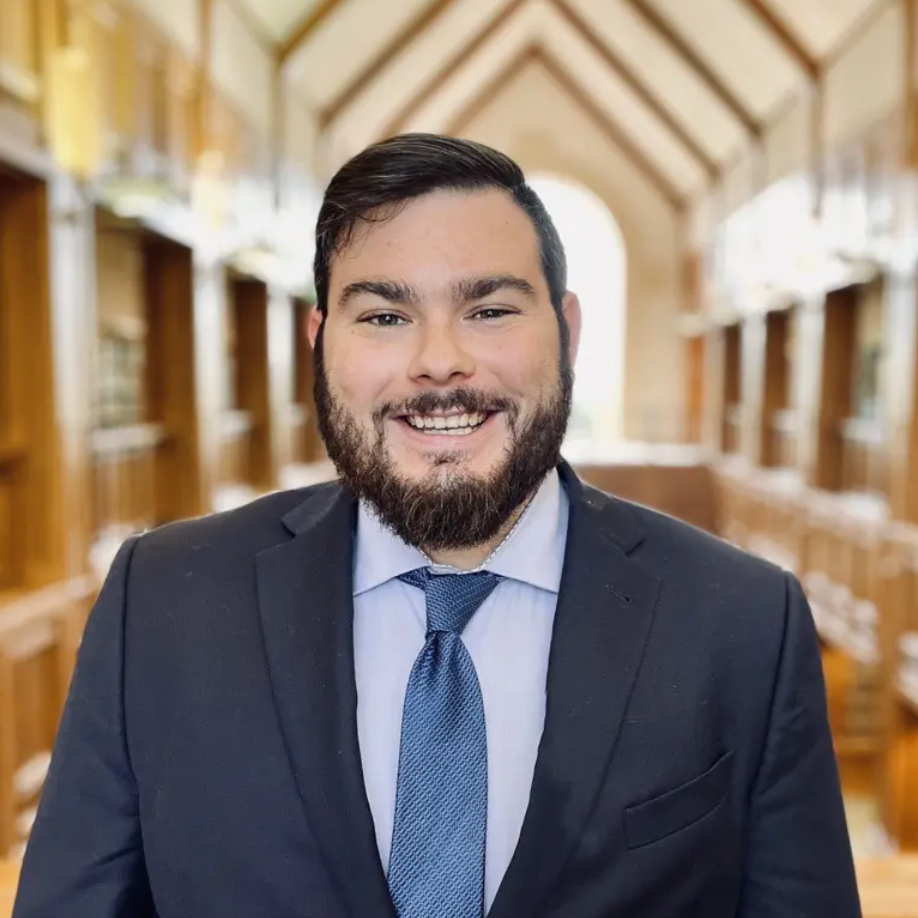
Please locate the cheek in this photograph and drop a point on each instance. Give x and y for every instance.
(527, 368)
(358, 375)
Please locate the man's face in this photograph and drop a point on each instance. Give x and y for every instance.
(442, 389)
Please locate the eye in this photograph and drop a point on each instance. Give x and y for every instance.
(384, 320)
(492, 312)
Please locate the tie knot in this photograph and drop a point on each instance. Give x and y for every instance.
(452, 599)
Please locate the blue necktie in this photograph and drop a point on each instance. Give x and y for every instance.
(436, 865)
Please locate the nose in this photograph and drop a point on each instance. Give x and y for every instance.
(440, 356)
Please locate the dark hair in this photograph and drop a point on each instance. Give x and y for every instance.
(378, 181)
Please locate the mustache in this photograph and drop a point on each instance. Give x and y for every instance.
(468, 400)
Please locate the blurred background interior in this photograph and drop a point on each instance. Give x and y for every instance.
(737, 185)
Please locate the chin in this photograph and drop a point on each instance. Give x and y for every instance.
(440, 465)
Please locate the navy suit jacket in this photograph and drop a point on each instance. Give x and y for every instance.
(207, 764)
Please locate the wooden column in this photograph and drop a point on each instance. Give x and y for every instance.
(254, 382)
(695, 360)
(838, 341)
(281, 376)
(209, 368)
(172, 343)
(900, 391)
(776, 393)
(712, 434)
(910, 97)
(73, 310)
(45, 256)
(809, 357)
(752, 368)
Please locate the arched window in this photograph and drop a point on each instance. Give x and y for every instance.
(597, 274)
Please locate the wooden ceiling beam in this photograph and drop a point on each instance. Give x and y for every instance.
(536, 54)
(253, 26)
(789, 42)
(304, 29)
(720, 89)
(492, 90)
(398, 122)
(413, 30)
(639, 88)
(614, 133)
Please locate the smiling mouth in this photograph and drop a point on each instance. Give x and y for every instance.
(450, 425)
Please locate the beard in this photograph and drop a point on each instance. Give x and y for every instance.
(450, 508)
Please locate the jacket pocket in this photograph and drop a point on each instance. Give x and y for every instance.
(679, 808)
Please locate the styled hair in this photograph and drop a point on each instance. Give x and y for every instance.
(376, 183)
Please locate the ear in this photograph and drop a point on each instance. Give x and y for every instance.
(570, 310)
(313, 324)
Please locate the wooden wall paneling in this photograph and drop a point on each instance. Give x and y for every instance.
(836, 387)
(695, 347)
(39, 636)
(134, 92)
(731, 395)
(901, 391)
(110, 47)
(126, 441)
(714, 383)
(21, 22)
(40, 245)
(169, 278)
(253, 377)
(132, 64)
(182, 81)
(775, 394)
(281, 377)
(12, 434)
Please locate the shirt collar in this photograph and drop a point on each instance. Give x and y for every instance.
(533, 553)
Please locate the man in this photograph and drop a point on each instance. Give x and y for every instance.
(458, 681)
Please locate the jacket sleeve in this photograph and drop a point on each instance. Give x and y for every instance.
(84, 857)
(798, 857)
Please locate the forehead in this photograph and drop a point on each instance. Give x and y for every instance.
(442, 233)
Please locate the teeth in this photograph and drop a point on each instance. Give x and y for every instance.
(453, 425)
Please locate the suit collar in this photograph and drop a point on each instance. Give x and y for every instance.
(602, 623)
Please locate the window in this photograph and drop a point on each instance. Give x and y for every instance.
(597, 274)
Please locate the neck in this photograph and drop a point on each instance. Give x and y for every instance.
(467, 559)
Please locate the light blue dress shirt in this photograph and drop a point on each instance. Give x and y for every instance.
(508, 638)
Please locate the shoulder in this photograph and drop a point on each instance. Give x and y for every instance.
(692, 560)
(231, 535)
(734, 609)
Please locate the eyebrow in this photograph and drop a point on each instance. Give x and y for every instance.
(391, 291)
(463, 291)
(479, 287)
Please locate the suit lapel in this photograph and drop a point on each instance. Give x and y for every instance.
(605, 606)
(306, 607)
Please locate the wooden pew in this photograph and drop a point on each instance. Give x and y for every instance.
(40, 633)
(836, 544)
(673, 480)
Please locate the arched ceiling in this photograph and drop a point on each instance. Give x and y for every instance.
(681, 86)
